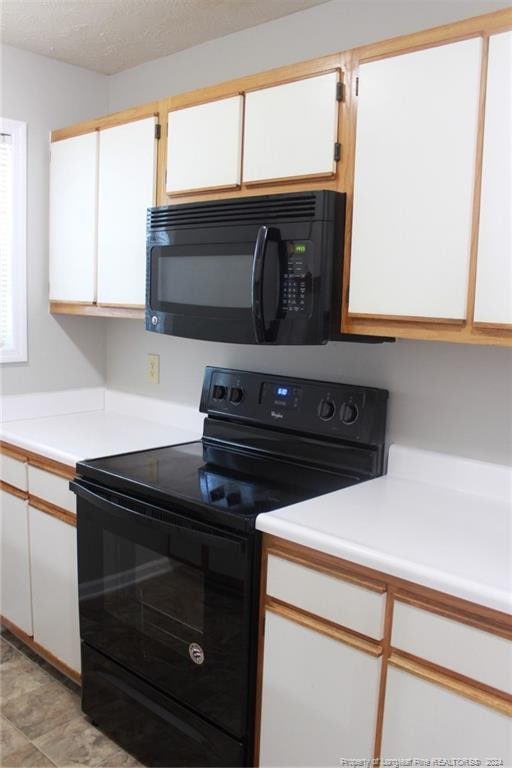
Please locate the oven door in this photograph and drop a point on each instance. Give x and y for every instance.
(168, 599)
(248, 284)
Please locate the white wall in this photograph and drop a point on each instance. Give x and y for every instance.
(446, 397)
(334, 26)
(63, 352)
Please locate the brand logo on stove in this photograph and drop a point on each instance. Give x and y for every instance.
(196, 653)
(277, 414)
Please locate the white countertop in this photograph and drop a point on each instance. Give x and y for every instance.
(436, 520)
(439, 521)
(125, 423)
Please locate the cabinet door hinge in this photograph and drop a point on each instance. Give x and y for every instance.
(337, 151)
(357, 86)
(158, 131)
(340, 91)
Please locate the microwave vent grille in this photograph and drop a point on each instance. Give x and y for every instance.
(248, 210)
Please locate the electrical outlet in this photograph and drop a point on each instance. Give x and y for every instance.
(154, 369)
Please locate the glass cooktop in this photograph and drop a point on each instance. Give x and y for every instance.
(217, 483)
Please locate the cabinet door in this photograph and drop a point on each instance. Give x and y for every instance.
(319, 698)
(204, 146)
(126, 189)
(55, 587)
(15, 568)
(73, 204)
(414, 180)
(493, 301)
(423, 720)
(291, 129)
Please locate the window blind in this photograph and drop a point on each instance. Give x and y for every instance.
(6, 240)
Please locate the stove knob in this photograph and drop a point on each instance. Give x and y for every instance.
(326, 409)
(349, 413)
(236, 395)
(219, 392)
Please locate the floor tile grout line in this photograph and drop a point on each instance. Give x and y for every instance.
(26, 738)
(52, 680)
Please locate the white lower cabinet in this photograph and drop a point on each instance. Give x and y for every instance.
(53, 563)
(319, 697)
(424, 720)
(15, 569)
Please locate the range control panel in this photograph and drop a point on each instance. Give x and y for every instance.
(325, 409)
(296, 280)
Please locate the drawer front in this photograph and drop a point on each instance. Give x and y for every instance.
(472, 652)
(332, 598)
(13, 471)
(52, 488)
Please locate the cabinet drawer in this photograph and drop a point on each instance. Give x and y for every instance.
(353, 606)
(13, 471)
(472, 652)
(52, 488)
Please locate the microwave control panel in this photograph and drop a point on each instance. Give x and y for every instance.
(296, 280)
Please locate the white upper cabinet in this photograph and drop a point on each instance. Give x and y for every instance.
(204, 146)
(127, 164)
(493, 301)
(417, 118)
(291, 129)
(73, 196)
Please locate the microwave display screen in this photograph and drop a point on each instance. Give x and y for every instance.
(220, 280)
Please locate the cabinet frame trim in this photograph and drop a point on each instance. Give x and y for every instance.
(52, 510)
(112, 120)
(386, 651)
(94, 310)
(13, 491)
(324, 626)
(471, 682)
(426, 671)
(477, 184)
(461, 616)
(38, 460)
(319, 561)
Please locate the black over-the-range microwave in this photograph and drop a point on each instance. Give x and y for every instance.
(252, 270)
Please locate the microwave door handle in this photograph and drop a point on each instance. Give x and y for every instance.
(265, 234)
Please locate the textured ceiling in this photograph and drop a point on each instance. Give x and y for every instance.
(111, 35)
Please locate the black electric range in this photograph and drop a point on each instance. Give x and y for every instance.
(168, 558)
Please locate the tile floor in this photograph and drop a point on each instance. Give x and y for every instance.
(40, 722)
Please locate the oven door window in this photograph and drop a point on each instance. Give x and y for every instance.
(169, 602)
(194, 279)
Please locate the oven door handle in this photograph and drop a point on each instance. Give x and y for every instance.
(97, 499)
(265, 234)
(173, 519)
